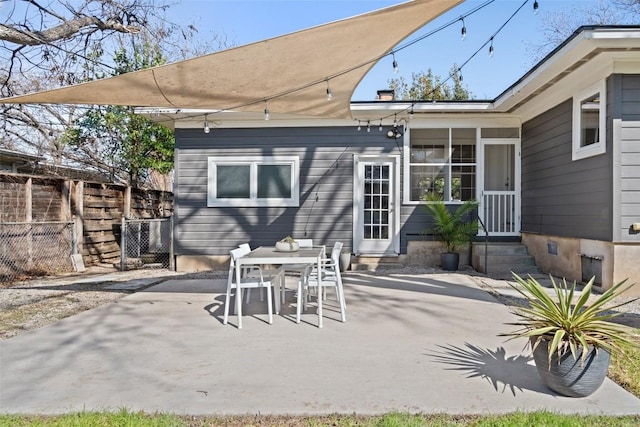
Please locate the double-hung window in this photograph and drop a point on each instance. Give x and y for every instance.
(589, 122)
(247, 181)
(442, 164)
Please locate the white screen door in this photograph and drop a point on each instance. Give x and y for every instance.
(500, 202)
(375, 205)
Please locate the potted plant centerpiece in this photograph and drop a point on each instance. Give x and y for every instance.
(453, 228)
(288, 244)
(570, 333)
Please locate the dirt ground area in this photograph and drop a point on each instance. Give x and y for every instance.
(37, 302)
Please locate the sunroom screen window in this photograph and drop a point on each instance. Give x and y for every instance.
(442, 164)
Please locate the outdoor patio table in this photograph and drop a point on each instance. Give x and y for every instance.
(269, 255)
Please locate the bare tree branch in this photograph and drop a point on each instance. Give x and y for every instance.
(63, 31)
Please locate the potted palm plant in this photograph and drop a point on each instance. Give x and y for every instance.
(570, 333)
(453, 228)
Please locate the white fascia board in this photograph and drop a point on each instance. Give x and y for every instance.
(574, 52)
(373, 111)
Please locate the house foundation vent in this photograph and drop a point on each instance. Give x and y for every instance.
(591, 266)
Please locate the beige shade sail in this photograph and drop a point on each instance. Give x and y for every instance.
(289, 72)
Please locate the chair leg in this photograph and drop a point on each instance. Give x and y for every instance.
(300, 299)
(269, 302)
(277, 290)
(226, 306)
(340, 297)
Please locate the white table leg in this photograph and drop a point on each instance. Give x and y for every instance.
(319, 293)
(238, 296)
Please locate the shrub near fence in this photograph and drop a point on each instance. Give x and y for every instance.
(35, 249)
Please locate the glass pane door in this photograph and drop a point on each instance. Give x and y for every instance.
(377, 195)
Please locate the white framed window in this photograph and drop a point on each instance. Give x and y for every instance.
(253, 181)
(589, 132)
(442, 162)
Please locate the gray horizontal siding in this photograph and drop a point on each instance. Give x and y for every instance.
(629, 209)
(559, 196)
(326, 186)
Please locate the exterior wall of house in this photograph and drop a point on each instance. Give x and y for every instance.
(578, 216)
(561, 197)
(205, 235)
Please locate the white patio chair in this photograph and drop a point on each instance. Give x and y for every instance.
(298, 269)
(258, 280)
(328, 277)
(251, 271)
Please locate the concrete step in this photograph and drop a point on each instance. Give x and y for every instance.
(500, 248)
(504, 258)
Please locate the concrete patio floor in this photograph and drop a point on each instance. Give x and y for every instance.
(412, 342)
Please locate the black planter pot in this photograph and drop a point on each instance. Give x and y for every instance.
(449, 261)
(571, 377)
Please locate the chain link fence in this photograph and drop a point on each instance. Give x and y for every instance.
(29, 249)
(146, 243)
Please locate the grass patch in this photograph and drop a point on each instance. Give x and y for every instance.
(141, 419)
(625, 370)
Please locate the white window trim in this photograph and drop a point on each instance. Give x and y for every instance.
(600, 147)
(253, 162)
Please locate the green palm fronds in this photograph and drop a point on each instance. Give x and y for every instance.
(568, 320)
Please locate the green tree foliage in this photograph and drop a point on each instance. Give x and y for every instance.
(430, 87)
(127, 145)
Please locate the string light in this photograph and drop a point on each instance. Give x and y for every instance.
(368, 126)
(206, 125)
(457, 72)
(463, 31)
(380, 127)
(535, 7)
(395, 120)
(266, 110)
(491, 48)
(329, 93)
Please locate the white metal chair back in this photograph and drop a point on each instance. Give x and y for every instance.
(245, 247)
(258, 281)
(305, 243)
(327, 276)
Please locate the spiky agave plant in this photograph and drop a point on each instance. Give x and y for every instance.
(570, 322)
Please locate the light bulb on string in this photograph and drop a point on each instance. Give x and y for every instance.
(329, 93)
(463, 31)
(535, 7)
(359, 126)
(395, 120)
(266, 110)
(491, 48)
(395, 64)
(206, 128)
(380, 127)
(368, 126)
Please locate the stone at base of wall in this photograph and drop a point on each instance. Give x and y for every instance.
(618, 260)
(422, 253)
(193, 263)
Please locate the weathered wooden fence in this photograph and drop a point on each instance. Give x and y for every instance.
(97, 207)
